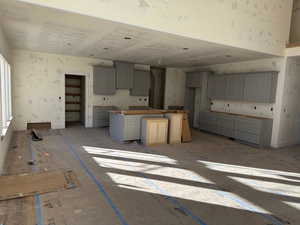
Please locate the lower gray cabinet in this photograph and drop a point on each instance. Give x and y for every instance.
(101, 115)
(250, 130)
(127, 127)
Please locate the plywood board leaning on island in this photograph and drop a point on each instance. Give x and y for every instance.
(175, 127)
(154, 131)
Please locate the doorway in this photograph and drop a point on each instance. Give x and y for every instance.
(75, 100)
(157, 87)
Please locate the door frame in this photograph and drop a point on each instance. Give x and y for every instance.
(87, 99)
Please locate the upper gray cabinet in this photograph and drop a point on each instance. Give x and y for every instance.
(217, 85)
(104, 80)
(141, 83)
(194, 79)
(124, 74)
(251, 87)
(235, 87)
(260, 87)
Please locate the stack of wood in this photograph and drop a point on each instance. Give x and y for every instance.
(172, 129)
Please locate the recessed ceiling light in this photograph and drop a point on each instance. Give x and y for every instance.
(127, 38)
(185, 49)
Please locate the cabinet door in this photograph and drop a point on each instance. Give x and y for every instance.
(141, 83)
(124, 74)
(235, 87)
(193, 79)
(217, 87)
(258, 88)
(104, 81)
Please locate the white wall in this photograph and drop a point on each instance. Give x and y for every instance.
(39, 81)
(4, 141)
(175, 87)
(295, 30)
(260, 25)
(289, 124)
(4, 48)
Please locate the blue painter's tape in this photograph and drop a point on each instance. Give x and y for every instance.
(38, 210)
(174, 201)
(37, 200)
(99, 185)
(245, 205)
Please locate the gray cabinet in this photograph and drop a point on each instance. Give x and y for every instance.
(235, 87)
(124, 75)
(193, 79)
(251, 87)
(104, 80)
(141, 83)
(127, 127)
(101, 115)
(217, 85)
(260, 87)
(250, 130)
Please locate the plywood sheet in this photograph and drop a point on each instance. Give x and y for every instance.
(175, 127)
(28, 184)
(186, 132)
(154, 131)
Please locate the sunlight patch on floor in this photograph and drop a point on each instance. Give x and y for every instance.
(251, 171)
(179, 191)
(171, 172)
(129, 155)
(271, 187)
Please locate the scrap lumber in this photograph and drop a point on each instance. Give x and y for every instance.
(186, 131)
(29, 184)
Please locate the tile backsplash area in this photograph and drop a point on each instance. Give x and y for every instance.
(121, 99)
(243, 108)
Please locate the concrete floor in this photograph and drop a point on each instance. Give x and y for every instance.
(211, 181)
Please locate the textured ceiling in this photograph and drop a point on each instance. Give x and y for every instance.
(48, 30)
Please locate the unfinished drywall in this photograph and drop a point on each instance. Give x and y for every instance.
(260, 25)
(289, 125)
(249, 109)
(4, 47)
(174, 88)
(5, 140)
(39, 88)
(295, 23)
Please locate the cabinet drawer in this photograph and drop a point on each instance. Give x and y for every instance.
(226, 122)
(227, 132)
(248, 125)
(100, 123)
(247, 137)
(208, 127)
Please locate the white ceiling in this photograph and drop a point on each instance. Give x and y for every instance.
(48, 30)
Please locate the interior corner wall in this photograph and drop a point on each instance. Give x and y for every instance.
(175, 87)
(269, 64)
(5, 141)
(39, 82)
(288, 132)
(258, 25)
(295, 23)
